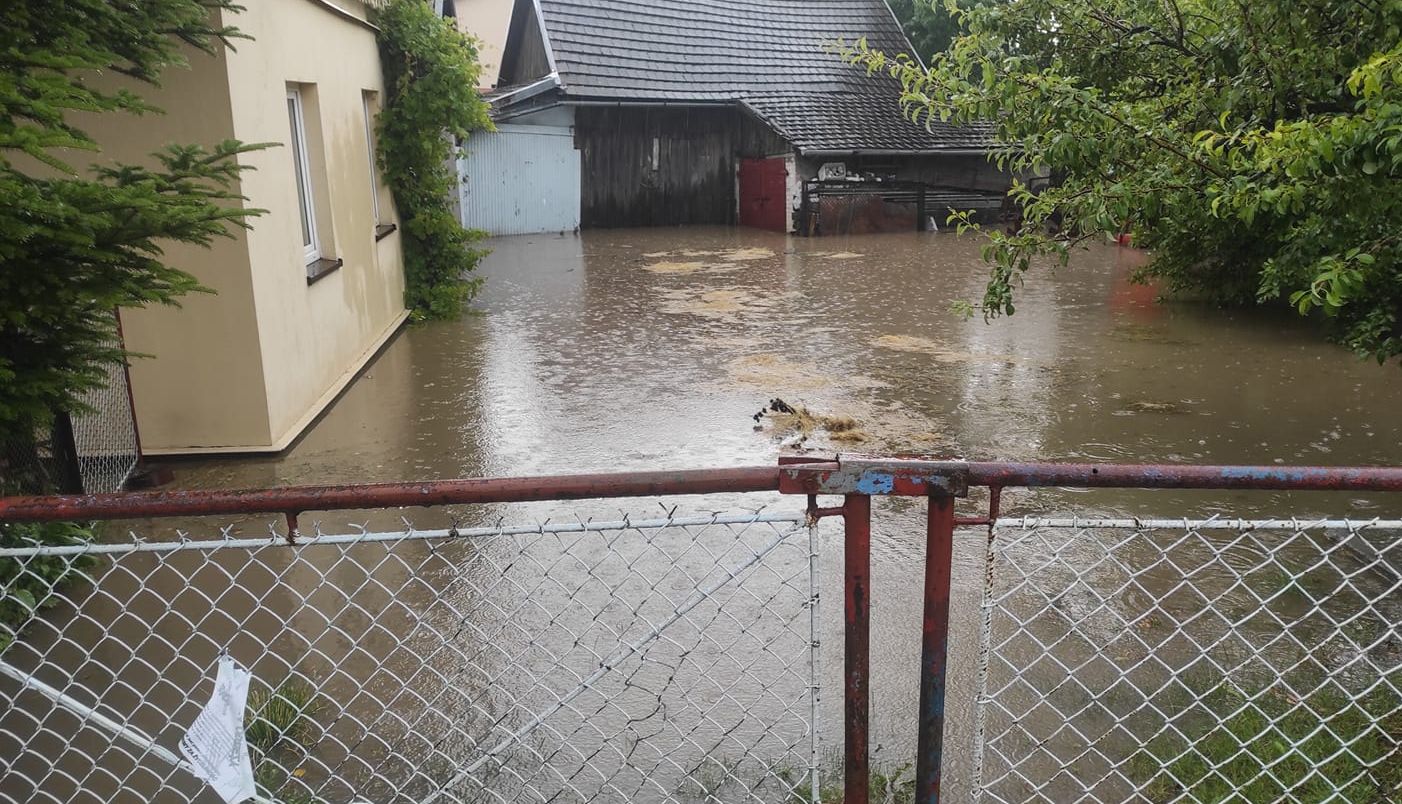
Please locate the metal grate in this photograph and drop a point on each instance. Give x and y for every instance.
(1201, 661)
(660, 660)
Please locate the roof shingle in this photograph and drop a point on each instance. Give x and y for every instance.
(775, 56)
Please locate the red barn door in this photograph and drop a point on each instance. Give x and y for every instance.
(763, 193)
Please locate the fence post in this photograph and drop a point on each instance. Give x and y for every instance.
(939, 555)
(856, 519)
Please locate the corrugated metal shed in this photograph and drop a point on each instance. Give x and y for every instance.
(520, 180)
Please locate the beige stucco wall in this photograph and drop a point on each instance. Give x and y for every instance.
(203, 379)
(249, 367)
(312, 336)
(487, 20)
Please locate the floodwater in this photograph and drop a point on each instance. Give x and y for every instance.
(641, 349)
(632, 349)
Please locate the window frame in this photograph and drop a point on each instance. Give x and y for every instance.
(367, 103)
(301, 165)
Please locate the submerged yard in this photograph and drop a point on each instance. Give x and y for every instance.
(632, 349)
(608, 651)
(656, 347)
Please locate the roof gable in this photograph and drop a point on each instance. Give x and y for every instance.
(775, 56)
(713, 49)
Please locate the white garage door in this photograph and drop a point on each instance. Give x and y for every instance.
(520, 180)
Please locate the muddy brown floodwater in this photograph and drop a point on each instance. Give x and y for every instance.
(632, 349)
(624, 349)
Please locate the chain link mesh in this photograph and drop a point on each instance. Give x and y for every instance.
(104, 435)
(91, 451)
(660, 660)
(1205, 661)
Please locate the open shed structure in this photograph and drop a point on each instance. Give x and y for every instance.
(661, 112)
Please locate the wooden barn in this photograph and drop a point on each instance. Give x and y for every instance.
(667, 112)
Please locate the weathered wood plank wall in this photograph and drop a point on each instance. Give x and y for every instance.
(658, 166)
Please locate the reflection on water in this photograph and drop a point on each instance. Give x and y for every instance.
(654, 348)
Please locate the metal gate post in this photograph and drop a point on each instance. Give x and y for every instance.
(939, 557)
(858, 478)
(856, 519)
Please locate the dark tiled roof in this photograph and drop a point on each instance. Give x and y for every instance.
(855, 122)
(774, 55)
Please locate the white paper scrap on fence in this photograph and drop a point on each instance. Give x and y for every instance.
(215, 744)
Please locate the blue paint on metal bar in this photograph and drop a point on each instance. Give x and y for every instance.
(1283, 474)
(875, 483)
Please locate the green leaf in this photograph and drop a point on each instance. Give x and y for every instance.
(431, 74)
(25, 598)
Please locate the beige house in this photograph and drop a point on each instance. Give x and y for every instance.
(488, 21)
(305, 298)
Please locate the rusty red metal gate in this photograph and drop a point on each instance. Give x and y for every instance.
(764, 193)
(855, 479)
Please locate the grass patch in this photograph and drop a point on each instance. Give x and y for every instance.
(1269, 747)
(270, 777)
(280, 725)
(281, 718)
(894, 786)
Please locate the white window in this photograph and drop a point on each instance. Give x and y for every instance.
(302, 168)
(369, 103)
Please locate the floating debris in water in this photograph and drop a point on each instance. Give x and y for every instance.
(1145, 406)
(746, 254)
(720, 303)
(775, 405)
(768, 371)
(773, 371)
(925, 346)
(800, 423)
(674, 267)
(728, 255)
(668, 267)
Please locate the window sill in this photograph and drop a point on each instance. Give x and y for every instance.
(321, 268)
(384, 230)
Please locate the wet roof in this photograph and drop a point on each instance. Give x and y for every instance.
(775, 56)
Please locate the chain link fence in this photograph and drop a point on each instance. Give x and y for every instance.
(675, 659)
(104, 434)
(660, 660)
(91, 451)
(1207, 661)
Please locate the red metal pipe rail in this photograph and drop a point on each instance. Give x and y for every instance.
(297, 499)
(921, 477)
(1174, 476)
(854, 474)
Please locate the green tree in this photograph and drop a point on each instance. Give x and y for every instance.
(930, 26)
(431, 75)
(1254, 147)
(74, 246)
